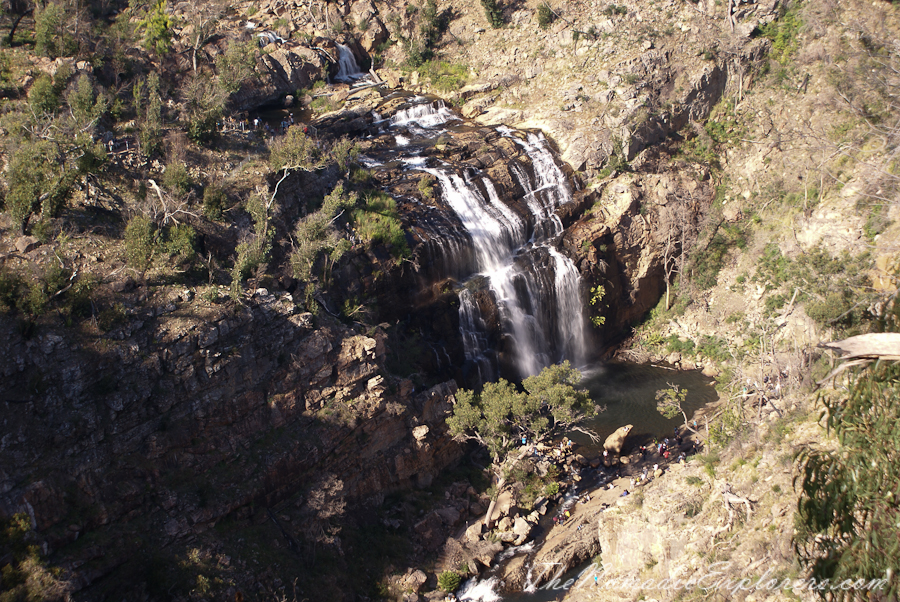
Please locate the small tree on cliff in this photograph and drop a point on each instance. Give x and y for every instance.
(670, 403)
(501, 415)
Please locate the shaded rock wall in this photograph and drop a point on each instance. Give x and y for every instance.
(188, 413)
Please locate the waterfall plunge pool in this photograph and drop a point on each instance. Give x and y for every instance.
(628, 391)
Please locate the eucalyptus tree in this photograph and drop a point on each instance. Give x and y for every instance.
(548, 405)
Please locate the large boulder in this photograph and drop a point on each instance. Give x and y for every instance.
(281, 72)
(473, 533)
(615, 441)
(522, 529)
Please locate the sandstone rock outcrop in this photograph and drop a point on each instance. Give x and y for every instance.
(615, 441)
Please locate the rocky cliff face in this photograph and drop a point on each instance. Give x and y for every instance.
(622, 242)
(191, 413)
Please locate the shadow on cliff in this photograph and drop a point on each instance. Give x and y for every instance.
(152, 435)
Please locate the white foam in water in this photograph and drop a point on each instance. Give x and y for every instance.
(509, 553)
(479, 591)
(401, 140)
(369, 162)
(426, 115)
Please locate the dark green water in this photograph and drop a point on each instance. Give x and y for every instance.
(629, 393)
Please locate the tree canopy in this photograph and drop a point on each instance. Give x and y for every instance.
(848, 513)
(670, 402)
(500, 415)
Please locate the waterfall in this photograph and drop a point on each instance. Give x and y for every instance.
(472, 329)
(474, 590)
(425, 115)
(512, 261)
(348, 70)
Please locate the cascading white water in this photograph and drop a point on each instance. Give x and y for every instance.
(474, 590)
(424, 115)
(474, 342)
(569, 304)
(534, 286)
(348, 70)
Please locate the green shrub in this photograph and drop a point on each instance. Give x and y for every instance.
(551, 489)
(344, 151)
(214, 199)
(493, 13)
(775, 302)
(444, 76)
(784, 34)
(51, 37)
(449, 581)
(677, 345)
(53, 279)
(377, 221)
(615, 9)
(324, 104)
(180, 242)
(235, 65)
(112, 317)
(24, 575)
(545, 15)
(846, 518)
(157, 26)
(43, 96)
(714, 348)
(360, 176)
(205, 103)
(176, 179)
(86, 106)
(710, 461)
(252, 254)
(295, 150)
(723, 125)
(426, 187)
(139, 243)
(150, 114)
(10, 290)
(78, 298)
(430, 27)
(773, 267)
(36, 169)
(833, 308)
(695, 481)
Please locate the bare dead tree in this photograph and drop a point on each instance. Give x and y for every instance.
(203, 19)
(168, 209)
(325, 504)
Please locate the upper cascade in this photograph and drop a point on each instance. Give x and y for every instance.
(509, 261)
(348, 69)
(427, 115)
